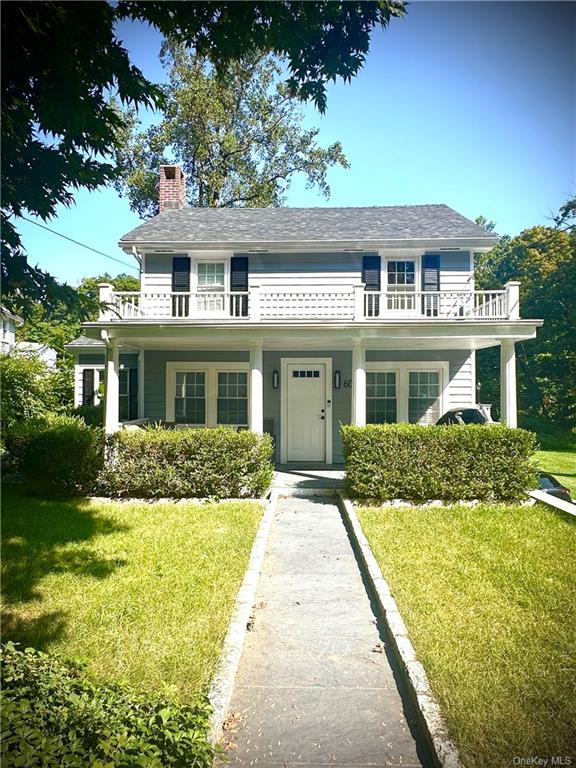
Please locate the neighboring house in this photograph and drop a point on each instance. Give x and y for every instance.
(293, 320)
(47, 354)
(9, 323)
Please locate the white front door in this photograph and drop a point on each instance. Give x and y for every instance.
(306, 411)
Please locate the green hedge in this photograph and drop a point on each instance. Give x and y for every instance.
(58, 455)
(53, 715)
(451, 463)
(156, 462)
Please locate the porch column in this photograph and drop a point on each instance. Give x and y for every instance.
(112, 388)
(508, 383)
(359, 385)
(141, 382)
(256, 389)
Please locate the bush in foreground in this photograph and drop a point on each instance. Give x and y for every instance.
(30, 390)
(451, 463)
(157, 462)
(53, 715)
(58, 455)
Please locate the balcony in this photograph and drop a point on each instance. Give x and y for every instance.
(330, 303)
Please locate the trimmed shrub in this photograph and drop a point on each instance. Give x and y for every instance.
(219, 463)
(54, 715)
(451, 463)
(58, 455)
(93, 415)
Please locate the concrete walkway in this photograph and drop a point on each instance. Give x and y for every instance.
(315, 685)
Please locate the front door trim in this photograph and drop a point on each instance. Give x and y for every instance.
(284, 363)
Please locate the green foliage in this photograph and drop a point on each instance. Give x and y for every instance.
(239, 137)
(54, 715)
(58, 323)
(59, 455)
(451, 463)
(158, 462)
(58, 130)
(29, 389)
(544, 260)
(93, 415)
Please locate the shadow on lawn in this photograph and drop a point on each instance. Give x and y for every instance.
(35, 535)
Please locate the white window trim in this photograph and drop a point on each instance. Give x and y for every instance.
(402, 369)
(205, 258)
(211, 370)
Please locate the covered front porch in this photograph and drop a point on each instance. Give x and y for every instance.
(299, 384)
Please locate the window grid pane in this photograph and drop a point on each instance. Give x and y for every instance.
(402, 275)
(190, 399)
(423, 397)
(232, 405)
(381, 403)
(211, 273)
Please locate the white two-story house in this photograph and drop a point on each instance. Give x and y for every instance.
(293, 320)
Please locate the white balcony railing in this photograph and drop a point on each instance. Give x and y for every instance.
(283, 303)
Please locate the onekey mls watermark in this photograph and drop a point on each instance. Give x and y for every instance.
(536, 760)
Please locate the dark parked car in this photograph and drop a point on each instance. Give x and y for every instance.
(549, 484)
(464, 416)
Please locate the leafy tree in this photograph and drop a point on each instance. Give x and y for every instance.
(238, 137)
(544, 260)
(61, 61)
(29, 389)
(58, 324)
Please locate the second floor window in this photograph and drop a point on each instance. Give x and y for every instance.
(402, 275)
(211, 276)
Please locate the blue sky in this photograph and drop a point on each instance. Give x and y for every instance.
(472, 104)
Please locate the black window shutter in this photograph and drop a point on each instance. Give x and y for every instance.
(88, 386)
(239, 282)
(181, 274)
(371, 266)
(430, 282)
(132, 393)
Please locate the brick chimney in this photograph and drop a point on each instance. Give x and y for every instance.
(172, 187)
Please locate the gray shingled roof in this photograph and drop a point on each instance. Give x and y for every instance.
(220, 225)
(85, 341)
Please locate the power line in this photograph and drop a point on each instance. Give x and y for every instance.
(83, 245)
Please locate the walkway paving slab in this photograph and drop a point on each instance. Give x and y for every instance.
(315, 684)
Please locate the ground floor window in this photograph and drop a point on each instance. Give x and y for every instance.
(232, 407)
(410, 392)
(423, 397)
(207, 394)
(381, 400)
(190, 397)
(91, 385)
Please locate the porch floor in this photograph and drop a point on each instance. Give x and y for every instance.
(308, 477)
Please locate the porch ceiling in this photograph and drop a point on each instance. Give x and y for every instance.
(415, 335)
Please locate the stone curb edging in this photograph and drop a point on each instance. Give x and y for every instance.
(442, 746)
(552, 501)
(222, 686)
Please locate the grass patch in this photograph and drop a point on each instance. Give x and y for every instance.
(489, 597)
(561, 464)
(143, 592)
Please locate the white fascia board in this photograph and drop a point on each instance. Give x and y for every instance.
(283, 246)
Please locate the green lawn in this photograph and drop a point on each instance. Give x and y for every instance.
(489, 598)
(143, 592)
(561, 464)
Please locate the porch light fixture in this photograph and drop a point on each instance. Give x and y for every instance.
(336, 379)
(275, 379)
